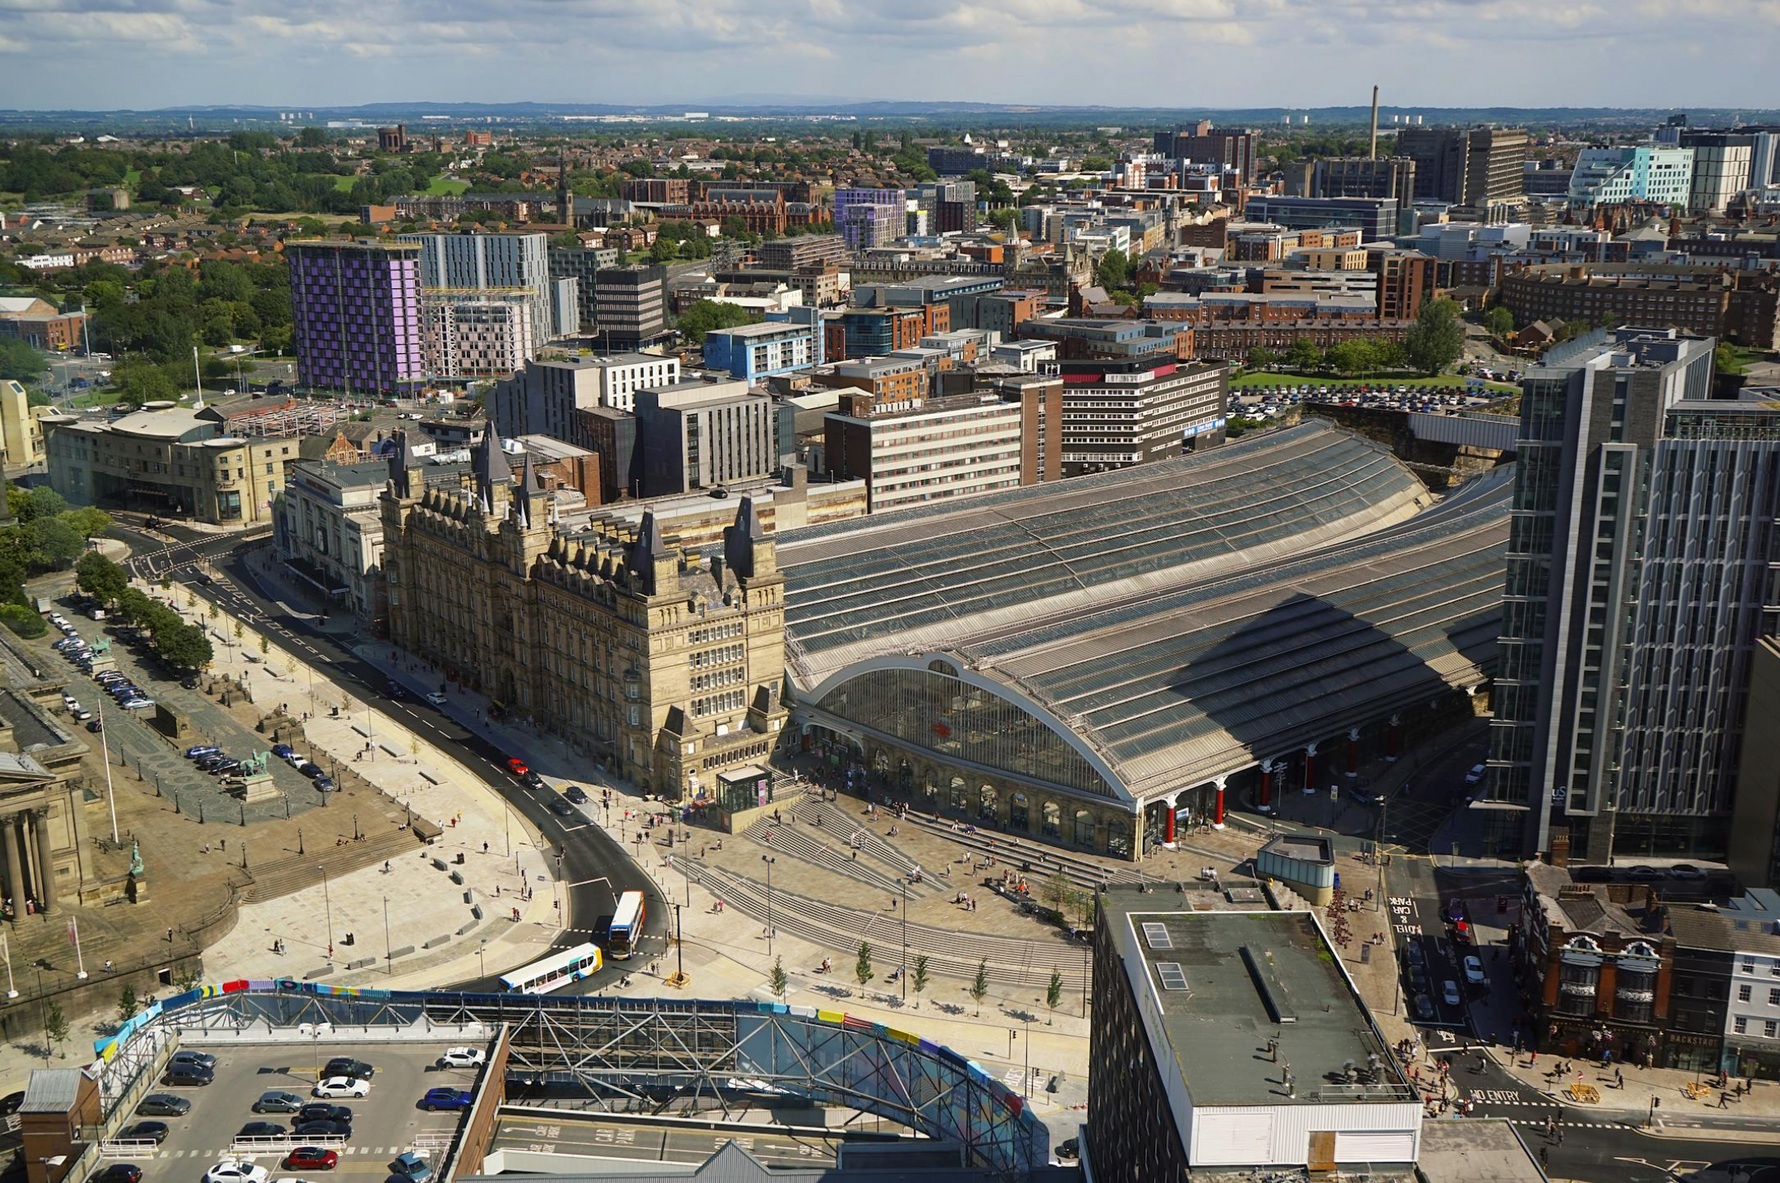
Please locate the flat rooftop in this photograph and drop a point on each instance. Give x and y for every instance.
(1222, 984)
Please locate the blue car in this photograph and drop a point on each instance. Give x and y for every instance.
(282, 750)
(445, 1099)
(202, 749)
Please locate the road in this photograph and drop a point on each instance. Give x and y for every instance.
(593, 867)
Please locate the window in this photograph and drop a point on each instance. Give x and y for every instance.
(1740, 1025)
(1743, 993)
(1768, 1026)
(1774, 996)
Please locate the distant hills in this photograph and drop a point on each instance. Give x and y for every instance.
(768, 107)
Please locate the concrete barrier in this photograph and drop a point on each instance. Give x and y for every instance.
(319, 972)
(435, 942)
(439, 864)
(457, 878)
(470, 927)
(362, 729)
(476, 911)
(431, 777)
(402, 952)
(391, 749)
(362, 963)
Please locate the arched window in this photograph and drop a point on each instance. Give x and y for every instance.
(930, 709)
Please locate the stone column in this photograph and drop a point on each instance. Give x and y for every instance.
(1217, 809)
(1353, 751)
(1266, 801)
(1310, 768)
(1394, 738)
(46, 863)
(21, 823)
(15, 869)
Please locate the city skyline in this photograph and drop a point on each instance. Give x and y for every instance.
(1577, 54)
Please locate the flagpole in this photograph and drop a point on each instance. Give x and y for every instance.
(79, 961)
(6, 949)
(105, 749)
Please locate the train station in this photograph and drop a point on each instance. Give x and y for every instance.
(1098, 661)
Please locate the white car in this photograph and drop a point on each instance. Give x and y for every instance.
(436, 698)
(1474, 974)
(232, 1171)
(296, 759)
(1475, 775)
(463, 1057)
(341, 1086)
(1449, 991)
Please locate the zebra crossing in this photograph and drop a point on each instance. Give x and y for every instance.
(226, 1153)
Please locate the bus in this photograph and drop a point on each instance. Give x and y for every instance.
(627, 926)
(554, 971)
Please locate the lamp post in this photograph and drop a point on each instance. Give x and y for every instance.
(769, 860)
(902, 975)
(389, 962)
(680, 949)
(481, 961)
(328, 906)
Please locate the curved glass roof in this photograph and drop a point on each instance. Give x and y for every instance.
(948, 575)
(1238, 604)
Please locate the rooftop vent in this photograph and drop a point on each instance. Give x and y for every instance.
(1156, 936)
(1173, 977)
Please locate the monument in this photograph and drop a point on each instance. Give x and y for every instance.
(256, 782)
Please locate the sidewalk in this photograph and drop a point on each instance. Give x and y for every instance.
(416, 902)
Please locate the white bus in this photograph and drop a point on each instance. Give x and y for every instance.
(554, 971)
(627, 926)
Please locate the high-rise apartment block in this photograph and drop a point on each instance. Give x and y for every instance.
(1723, 162)
(703, 435)
(1641, 571)
(508, 264)
(543, 399)
(1205, 144)
(869, 217)
(356, 316)
(1391, 176)
(1634, 172)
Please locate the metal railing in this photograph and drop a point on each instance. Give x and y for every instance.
(284, 1143)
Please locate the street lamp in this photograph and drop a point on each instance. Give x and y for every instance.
(769, 860)
(481, 961)
(902, 974)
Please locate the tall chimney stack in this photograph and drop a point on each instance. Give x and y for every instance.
(1373, 151)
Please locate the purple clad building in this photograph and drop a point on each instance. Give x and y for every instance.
(356, 319)
(869, 217)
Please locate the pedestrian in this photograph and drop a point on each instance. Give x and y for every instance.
(485, 848)
(1724, 1100)
(1619, 1078)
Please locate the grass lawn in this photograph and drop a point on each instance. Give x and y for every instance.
(131, 176)
(446, 186)
(344, 184)
(1266, 378)
(94, 397)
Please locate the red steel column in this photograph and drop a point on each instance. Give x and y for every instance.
(1168, 821)
(1309, 767)
(1266, 784)
(1394, 738)
(1217, 816)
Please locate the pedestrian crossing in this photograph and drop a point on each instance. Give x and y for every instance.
(1574, 1125)
(228, 1153)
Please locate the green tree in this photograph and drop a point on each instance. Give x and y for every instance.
(28, 505)
(126, 1005)
(100, 578)
(55, 1024)
(733, 227)
(1437, 338)
(705, 315)
(918, 977)
(89, 521)
(1006, 219)
(1353, 356)
(1726, 359)
(1054, 993)
(778, 980)
(22, 620)
(1056, 889)
(52, 543)
(183, 646)
(1259, 358)
(139, 381)
(1113, 271)
(663, 249)
(862, 968)
(1304, 356)
(979, 985)
(1498, 321)
(20, 362)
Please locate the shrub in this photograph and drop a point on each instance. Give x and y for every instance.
(22, 620)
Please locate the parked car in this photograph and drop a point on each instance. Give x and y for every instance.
(144, 1131)
(311, 1158)
(1415, 953)
(347, 1066)
(436, 698)
(323, 1111)
(1475, 775)
(203, 1060)
(310, 770)
(233, 1171)
(96, 725)
(163, 1105)
(138, 704)
(188, 1074)
(1642, 873)
(1592, 875)
(325, 784)
(1686, 871)
(282, 750)
(1424, 1007)
(412, 1167)
(341, 1086)
(517, 767)
(1474, 974)
(190, 682)
(262, 1129)
(449, 1099)
(278, 1101)
(576, 794)
(1449, 993)
(323, 1129)
(117, 1172)
(463, 1057)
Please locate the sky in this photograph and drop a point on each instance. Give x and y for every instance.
(142, 54)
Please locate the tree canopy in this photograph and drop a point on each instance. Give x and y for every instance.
(1437, 339)
(705, 315)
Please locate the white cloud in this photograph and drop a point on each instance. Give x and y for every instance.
(1174, 53)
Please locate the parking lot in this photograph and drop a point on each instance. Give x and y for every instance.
(385, 1123)
(130, 736)
(1270, 401)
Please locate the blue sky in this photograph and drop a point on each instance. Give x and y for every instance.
(1174, 53)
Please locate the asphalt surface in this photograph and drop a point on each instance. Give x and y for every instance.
(592, 869)
(635, 1141)
(385, 1123)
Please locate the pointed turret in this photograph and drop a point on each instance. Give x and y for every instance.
(655, 563)
(747, 549)
(493, 475)
(402, 463)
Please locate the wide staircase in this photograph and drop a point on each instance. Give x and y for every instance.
(286, 875)
(1037, 862)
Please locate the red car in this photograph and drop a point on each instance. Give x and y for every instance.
(517, 767)
(311, 1158)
